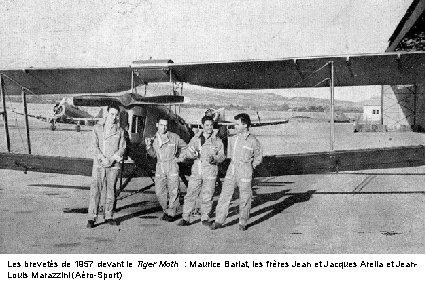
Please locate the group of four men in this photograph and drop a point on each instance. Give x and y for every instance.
(207, 151)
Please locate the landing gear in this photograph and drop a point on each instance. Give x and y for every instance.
(52, 125)
(78, 127)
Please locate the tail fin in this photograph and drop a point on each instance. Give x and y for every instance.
(221, 113)
(101, 113)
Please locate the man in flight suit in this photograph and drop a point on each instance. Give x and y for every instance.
(207, 150)
(166, 147)
(246, 155)
(109, 144)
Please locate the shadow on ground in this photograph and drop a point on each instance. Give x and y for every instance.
(62, 186)
(271, 210)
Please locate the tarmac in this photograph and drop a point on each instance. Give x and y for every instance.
(362, 212)
(378, 211)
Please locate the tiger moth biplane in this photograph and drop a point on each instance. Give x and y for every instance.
(399, 68)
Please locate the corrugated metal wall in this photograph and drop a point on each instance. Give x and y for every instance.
(404, 107)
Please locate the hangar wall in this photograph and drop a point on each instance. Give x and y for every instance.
(403, 107)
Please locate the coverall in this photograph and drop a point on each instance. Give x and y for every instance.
(209, 153)
(246, 154)
(167, 170)
(110, 143)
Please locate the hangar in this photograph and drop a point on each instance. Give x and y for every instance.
(403, 106)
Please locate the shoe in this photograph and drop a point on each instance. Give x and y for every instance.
(216, 226)
(90, 224)
(112, 222)
(172, 218)
(165, 217)
(242, 227)
(168, 218)
(183, 223)
(196, 212)
(206, 223)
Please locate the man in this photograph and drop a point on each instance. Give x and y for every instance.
(207, 150)
(246, 155)
(166, 147)
(109, 144)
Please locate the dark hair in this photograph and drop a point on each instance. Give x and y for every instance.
(244, 117)
(209, 112)
(113, 106)
(205, 118)
(162, 117)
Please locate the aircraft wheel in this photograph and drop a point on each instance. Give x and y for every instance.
(52, 127)
(78, 128)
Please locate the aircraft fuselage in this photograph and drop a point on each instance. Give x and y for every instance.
(64, 112)
(140, 123)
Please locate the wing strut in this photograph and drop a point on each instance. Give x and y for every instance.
(27, 128)
(24, 92)
(331, 106)
(3, 99)
(132, 82)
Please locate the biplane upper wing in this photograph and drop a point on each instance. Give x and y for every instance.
(69, 80)
(399, 68)
(350, 70)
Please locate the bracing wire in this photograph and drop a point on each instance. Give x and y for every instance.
(16, 123)
(310, 75)
(17, 83)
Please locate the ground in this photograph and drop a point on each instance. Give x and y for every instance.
(375, 211)
(371, 211)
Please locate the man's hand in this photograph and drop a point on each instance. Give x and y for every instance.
(148, 142)
(116, 157)
(212, 160)
(105, 162)
(193, 151)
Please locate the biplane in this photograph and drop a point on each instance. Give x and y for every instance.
(399, 68)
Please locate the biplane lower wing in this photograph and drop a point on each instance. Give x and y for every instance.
(291, 164)
(348, 160)
(46, 164)
(55, 164)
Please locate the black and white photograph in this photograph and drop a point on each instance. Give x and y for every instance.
(212, 127)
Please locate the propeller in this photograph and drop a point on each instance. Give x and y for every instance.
(218, 114)
(127, 100)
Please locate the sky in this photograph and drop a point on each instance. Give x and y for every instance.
(59, 33)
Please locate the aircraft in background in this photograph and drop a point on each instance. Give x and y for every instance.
(340, 117)
(221, 121)
(66, 112)
(142, 112)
